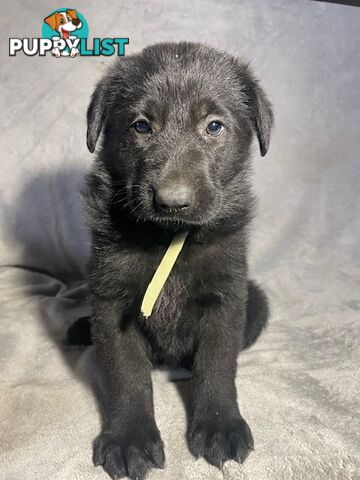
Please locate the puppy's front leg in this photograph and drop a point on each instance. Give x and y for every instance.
(130, 443)
(217, 431)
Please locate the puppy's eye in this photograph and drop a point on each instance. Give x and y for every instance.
(214, 128)
(142, 126)
(62, 20)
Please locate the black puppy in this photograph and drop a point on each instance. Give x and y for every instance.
(178, 121)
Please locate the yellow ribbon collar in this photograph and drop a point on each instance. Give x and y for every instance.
(162, 272)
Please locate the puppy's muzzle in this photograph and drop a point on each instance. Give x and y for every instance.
(169, 198)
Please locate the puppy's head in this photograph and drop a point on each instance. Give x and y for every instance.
(64, 22)
(178, 122)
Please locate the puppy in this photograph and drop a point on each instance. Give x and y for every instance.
(178, 121)
(64, 23)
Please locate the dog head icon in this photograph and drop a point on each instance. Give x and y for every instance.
(64, 22)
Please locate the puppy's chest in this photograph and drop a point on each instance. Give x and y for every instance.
(179, 297)
(171, 328)
(172, 300)
(175, 293)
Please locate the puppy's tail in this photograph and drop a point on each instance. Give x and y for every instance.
(80, 332)
(257, 313)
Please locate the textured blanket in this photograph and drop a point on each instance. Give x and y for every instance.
(299, 385)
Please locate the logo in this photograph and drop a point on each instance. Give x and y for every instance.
(65, 33)
(70, 26)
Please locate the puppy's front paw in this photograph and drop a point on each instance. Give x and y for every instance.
(221, 439)
(74, 52)
(56, 52)
(131, 454)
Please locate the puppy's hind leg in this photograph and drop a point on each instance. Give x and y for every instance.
(80, 332)
(257, 314)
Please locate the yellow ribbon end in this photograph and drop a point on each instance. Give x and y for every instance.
(162, 272)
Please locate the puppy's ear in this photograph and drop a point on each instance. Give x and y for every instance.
(261, 114)
(72, 13)
(96, 114)
(53, 20)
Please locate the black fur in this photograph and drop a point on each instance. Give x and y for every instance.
(208, 310)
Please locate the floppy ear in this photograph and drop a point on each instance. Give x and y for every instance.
(53, 20)
(72, 13)
(96, 115)
(261, 114)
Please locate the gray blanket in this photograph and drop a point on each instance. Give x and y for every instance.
(298, 387)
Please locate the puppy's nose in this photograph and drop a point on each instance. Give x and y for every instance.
(75, 21)
(175, 197)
